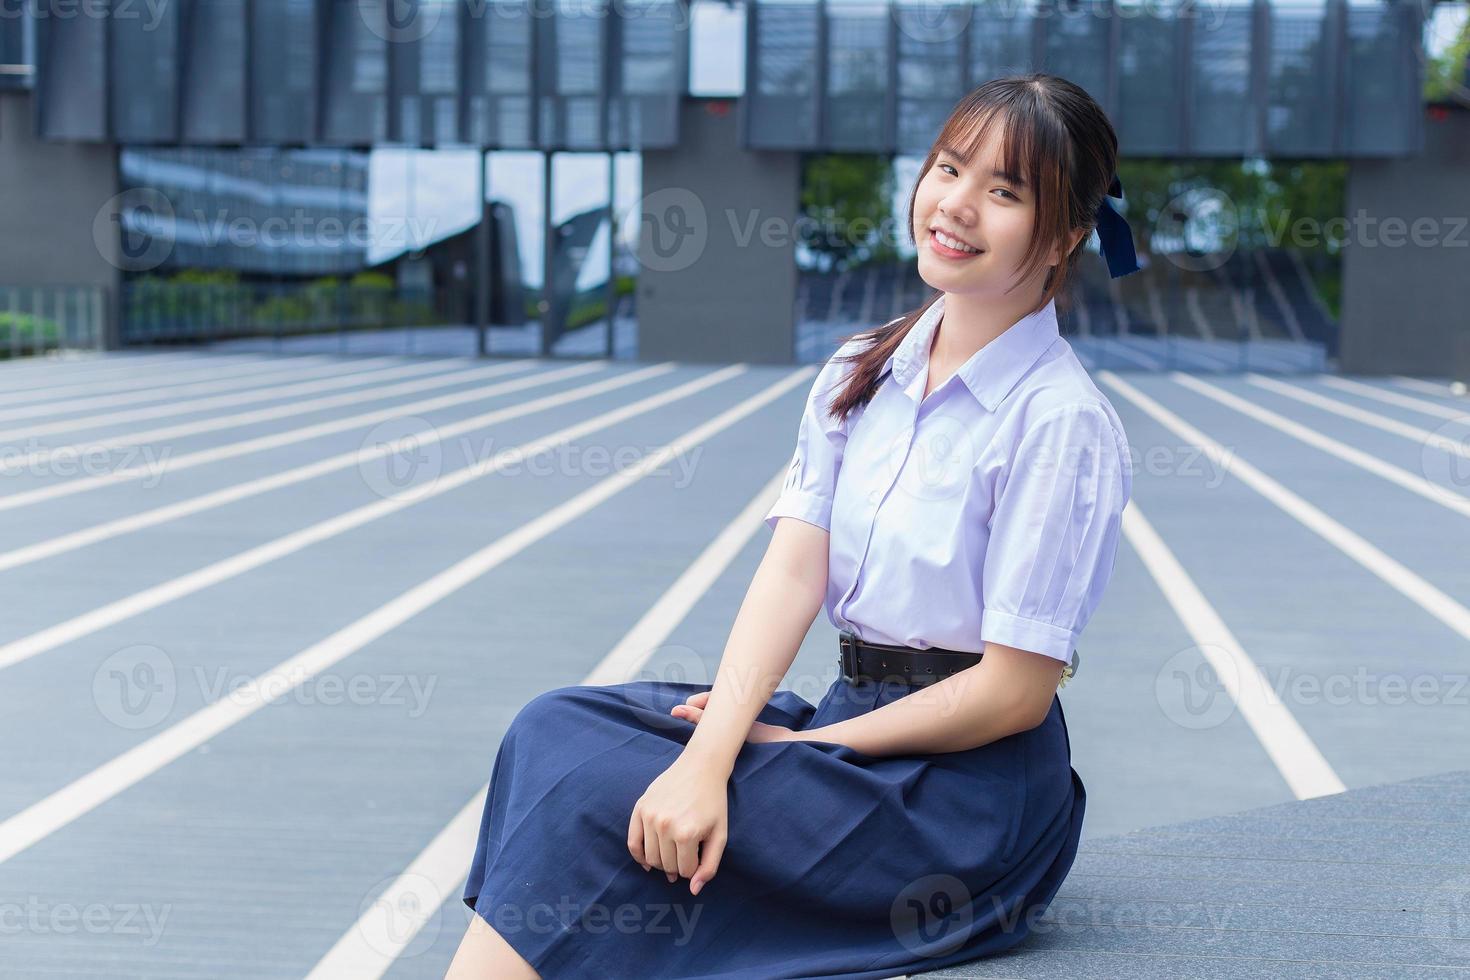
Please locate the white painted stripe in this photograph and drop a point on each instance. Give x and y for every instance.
(133, 392)
(18, 394)
(238, 398)
(1440, 388)
(275, 440)
(1391, 572)
(1394, 398)
(437, 875)
(82, 537)
(1392, 426)
(1397, 475)
(115, 365)
(1306, 771)
(105, 531)
(151, 598)
(45, 817)
(82, 359)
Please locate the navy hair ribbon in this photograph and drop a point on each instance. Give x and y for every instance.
(1114, 234)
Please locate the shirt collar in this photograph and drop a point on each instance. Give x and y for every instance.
(993, 370)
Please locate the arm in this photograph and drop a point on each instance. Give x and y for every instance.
(1008, 691)
(779, 607)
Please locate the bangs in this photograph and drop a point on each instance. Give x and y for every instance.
(1022, 159)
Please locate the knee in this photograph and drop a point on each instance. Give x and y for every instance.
(548, 707)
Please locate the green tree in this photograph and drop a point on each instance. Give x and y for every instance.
(845, 209)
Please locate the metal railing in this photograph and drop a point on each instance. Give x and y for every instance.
(160, 311)
(37, 319)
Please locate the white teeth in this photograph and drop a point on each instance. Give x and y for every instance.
(954, 243)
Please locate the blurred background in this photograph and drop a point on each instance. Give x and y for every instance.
(306, 173)
(368, 367)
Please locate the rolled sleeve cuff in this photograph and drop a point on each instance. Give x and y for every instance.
(802, 505)
(1027, 634)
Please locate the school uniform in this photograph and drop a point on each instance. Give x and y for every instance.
(989, 511)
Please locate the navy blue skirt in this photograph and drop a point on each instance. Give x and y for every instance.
(838, 864)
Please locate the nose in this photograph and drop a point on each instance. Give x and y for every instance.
(957, 211)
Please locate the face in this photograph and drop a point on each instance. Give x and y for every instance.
(990, 213)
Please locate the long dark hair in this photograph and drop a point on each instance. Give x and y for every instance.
(1059, 138)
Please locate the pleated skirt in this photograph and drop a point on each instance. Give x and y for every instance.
(838, 864)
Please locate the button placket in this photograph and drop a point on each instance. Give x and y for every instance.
(875, 498)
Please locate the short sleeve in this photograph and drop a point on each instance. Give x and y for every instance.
(811, 477)
(1054, 531)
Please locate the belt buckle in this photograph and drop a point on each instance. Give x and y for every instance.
(847, 654)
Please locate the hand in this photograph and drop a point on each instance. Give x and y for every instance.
(693, 709)
(684, 808)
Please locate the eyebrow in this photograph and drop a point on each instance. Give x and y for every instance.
(1015, 180)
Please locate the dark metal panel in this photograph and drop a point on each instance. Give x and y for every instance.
(1298, 100)
(71, 79)
(143, 84)
(1001, 39)
(653, 67)
(498, 84)
(423, 71)
(354, 97)
(931, 75)
(781, 84)
(858, 68)
(17, 46)
(1077, 44)
(573, 93)
(284, 61)
(212, 79)
(1220, 82)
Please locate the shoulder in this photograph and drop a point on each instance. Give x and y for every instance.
(1059, 396)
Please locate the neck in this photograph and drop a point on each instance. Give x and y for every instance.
(972, 320)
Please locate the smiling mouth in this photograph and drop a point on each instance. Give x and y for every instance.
(949, 251)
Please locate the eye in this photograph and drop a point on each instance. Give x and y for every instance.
(1008, 194)
(952, 168)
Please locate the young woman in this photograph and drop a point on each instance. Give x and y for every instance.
(954, 504)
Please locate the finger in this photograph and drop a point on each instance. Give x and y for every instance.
(709, 862)
(688, 857)
(699, 699)
(652, 851)
(635, 836)
(669, 850)
(688, 712)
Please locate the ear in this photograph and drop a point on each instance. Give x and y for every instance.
(1076, 236)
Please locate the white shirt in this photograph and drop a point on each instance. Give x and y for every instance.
(989, 512)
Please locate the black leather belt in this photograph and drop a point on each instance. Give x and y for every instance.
(875, 662)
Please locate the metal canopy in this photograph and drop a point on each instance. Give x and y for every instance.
(497, 74)
(1299, 78)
